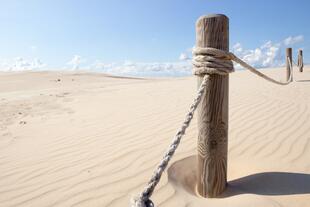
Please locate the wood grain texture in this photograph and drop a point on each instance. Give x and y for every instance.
(288, 64)
(300, 62)
(213, 31)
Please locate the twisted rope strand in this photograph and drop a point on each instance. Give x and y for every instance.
(143, 199)
(256, 72)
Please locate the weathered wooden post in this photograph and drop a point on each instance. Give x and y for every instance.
(300, 61)
(213, 31)
(289, 64)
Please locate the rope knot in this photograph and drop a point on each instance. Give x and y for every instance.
(212, 61)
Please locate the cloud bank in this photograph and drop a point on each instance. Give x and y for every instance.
(128, 68)
(269, 54)
(21, 64)
(293, 40)
(75, 62)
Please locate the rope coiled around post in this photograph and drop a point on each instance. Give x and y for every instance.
(211, 61)
(206, 62)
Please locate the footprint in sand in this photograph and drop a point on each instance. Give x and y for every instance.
(23, 122)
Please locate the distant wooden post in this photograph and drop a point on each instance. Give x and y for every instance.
(212, 31)
(288, 64)
(300, 61)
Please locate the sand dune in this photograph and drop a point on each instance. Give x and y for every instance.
(94, 140)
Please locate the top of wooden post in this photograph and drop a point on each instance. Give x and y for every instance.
(213, 31)
(212, 16)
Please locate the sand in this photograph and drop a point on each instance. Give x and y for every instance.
(82, 139)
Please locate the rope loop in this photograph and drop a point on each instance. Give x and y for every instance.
(211, 61)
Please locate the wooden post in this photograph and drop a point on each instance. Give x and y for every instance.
(288, 65)
(212, 112)
(300, 62)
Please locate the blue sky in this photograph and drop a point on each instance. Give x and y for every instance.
(75, 33)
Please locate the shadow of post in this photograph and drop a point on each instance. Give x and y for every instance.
(183, 173)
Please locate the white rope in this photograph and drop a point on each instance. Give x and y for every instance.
(206, 62)
(143, 199)
(211, 61)
(230, 56)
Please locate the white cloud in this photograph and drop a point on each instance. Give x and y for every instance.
(183, 56)
(129, 68)
(100, 66)
(237, 47)
(21, 64)
(268, 54)
(187, 54)
(293, 40)
(37, 64)
(75, 62)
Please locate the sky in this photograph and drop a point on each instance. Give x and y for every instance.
(143, 37)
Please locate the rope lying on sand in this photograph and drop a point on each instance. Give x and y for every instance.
(206, 62)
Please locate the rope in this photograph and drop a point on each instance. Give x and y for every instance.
(211, 61)
(206, 62)
(143, 199)
(197, 52)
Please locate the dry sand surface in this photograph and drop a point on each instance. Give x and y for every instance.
(82, 139)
